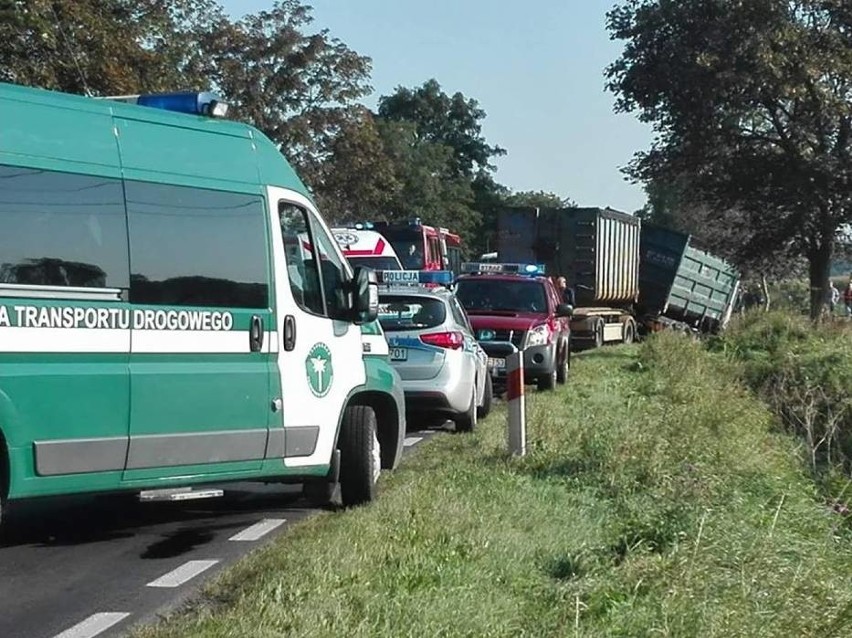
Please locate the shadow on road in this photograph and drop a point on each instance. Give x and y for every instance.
(79, 520)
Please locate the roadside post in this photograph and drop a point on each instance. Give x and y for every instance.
(516, 405)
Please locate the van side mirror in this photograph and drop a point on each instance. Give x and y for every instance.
(564, 310)
(365, 296)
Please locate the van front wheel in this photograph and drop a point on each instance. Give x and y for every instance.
(360, 458)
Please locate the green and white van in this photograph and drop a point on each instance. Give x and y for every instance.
(160, 326)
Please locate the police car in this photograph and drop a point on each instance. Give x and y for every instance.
(444, 371)
(365, 247)
(515, 307)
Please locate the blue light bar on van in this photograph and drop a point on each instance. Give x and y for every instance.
(533, 270)
(416, 277)
(193, 103)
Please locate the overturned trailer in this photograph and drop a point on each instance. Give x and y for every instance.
(681, 286)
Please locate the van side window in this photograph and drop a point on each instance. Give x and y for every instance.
(61, 229)
(315, 270)
(299, 253)
(197, 247)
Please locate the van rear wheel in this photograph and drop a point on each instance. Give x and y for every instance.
(360, 458)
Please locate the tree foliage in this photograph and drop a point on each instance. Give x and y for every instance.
(538, 199)
(452, 121)
(299, 88)
(752, 101)
(102, 47)
(359, 179)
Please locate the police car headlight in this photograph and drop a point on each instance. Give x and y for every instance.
(538, 336)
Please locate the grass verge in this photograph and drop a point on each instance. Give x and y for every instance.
(656, 500)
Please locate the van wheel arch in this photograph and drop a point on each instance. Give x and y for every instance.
(390, 436)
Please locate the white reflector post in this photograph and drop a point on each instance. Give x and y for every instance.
(516, 404)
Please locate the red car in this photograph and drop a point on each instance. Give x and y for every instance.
(514, 306)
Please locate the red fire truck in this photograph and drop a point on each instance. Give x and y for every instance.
(422, 247)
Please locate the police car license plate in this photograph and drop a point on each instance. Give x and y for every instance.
(399, 354)
(496, 364)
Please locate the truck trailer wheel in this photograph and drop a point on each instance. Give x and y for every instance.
(360, 459)
(628, 334)
(599, 333)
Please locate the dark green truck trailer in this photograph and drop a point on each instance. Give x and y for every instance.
(681, 286)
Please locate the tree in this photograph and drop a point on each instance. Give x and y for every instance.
(455, 122)
(753, 102)
(299, 88)
(103, 47)
(428, 187)
(538, 199)
(359, 180)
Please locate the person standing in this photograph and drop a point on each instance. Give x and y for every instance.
(847, 299)
(832, 297)
(566, 293)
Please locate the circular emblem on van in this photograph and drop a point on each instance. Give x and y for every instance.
(346, 239)
(320, 372)
(487, 335)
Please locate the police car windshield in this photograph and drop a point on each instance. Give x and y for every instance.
(376, 263)
(483, 295)
(398, 313)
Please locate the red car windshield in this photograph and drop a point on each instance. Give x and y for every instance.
(483, 295)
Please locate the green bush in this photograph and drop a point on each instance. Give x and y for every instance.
(804, 372)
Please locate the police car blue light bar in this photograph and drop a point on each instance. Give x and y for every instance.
(192, 103)
(416, 277)
(503, 269)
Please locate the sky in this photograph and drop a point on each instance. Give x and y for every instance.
(535, 67)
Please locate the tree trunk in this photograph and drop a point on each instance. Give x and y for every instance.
(819, 269)
(767, 302)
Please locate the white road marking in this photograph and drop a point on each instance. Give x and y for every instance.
(182, 574)
(258, 530)
(412, 440)
(93, 625)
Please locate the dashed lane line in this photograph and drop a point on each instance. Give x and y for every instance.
(258, 530)
(93, 625)
(412, 440)
(182, 574)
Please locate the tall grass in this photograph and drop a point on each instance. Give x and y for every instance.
(657, 499)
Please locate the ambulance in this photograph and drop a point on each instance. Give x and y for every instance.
(365, 247)
(158, 333)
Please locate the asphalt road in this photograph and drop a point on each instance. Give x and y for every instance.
(96, 566)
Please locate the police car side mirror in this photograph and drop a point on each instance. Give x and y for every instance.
(365, 296)
(564, 310)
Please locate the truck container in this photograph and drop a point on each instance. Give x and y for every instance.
(595, 249)
(682, 286)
